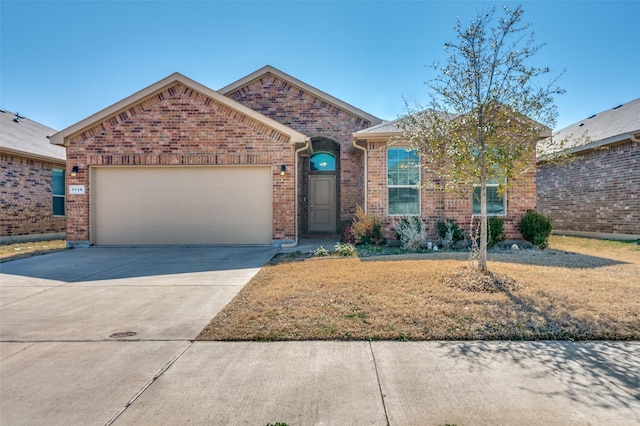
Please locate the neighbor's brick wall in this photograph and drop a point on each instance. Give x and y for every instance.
(26, 198)
(597, 192)
(436, 204)
(180, 126)
(315, 118)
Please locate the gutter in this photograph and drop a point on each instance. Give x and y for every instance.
(30, 155)
(354, 142)
(307, 144)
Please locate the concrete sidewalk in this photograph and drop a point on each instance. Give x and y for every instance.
(321, 383)
(396, 383)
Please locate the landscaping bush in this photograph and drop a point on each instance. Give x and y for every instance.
(536, 228)
(412, 232)
(450, 232)
(345, 232)
(496, 230)
(345, 249)
(367, 228)
(320, 252)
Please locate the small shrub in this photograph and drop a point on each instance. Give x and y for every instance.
(345, 249)
(450, 232)
(536, 228)
(345, 232)
(412, 233)
(367, 228)
(495, 230)
(321, 252)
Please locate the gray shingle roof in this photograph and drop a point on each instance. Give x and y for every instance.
(610, 126)
(28, 138)
(390, 127)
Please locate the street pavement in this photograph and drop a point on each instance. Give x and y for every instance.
(104, 336)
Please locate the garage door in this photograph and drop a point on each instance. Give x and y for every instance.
(181, 205)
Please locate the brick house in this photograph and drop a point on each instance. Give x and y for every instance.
(32, 195)
(597, 194)
(260, 161)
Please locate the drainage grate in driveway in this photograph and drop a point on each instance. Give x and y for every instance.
(122, 334)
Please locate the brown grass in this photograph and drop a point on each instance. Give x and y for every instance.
(577, 289)
(21, 250)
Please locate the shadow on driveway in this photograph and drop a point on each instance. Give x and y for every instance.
(107, 263)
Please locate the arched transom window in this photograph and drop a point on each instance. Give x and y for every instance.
(323, 162)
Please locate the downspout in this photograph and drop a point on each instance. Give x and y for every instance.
(295, 184)
(366, 176)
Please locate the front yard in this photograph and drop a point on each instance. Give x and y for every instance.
(577, 289)
(21, 250)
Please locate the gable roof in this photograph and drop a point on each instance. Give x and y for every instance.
(60, 137)
(27, 138)
(383, 130)
(388, 129)
(607, 127)
(268, 69)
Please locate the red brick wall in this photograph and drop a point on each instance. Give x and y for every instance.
(180, 126)
(597, 192)
(26, 198)
(315, 118)
(436, 204)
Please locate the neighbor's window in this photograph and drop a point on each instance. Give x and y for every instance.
(58, 192)
(496, 205)
(403, 182)
(323, 162)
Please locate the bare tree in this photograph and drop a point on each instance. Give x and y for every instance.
(488, 110)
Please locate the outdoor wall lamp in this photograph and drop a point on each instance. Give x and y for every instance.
(283, 170)
(74, 171)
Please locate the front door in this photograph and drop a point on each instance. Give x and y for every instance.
(322, 203)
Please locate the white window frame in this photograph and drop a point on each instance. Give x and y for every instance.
(416, 186)
(491, 183)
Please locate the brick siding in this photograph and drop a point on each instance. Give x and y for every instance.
(597, 192)
(437, 205)
(316, 118)
(26, 198)
(180, 126)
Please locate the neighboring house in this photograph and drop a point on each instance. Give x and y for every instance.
(261, 161)
(32, 186)
(597, 194)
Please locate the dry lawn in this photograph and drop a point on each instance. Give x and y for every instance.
(21, 250)
(577, 289)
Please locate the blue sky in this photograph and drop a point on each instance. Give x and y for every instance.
(63, 61)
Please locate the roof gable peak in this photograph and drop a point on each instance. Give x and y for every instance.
(60, 137)
(268, 69)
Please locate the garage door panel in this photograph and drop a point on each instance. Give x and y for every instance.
(181, 205)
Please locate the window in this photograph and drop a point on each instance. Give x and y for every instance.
(323, 162)
(403, 182)
(496, 205)
(58, 192)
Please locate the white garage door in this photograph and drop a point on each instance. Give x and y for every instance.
(181, 205)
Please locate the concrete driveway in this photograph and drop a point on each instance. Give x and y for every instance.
(82, 331)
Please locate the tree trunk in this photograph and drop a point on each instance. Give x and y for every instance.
(482, 255)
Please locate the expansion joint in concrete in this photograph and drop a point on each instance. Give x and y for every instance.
(375, 366)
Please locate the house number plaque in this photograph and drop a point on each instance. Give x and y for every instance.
(76, 189)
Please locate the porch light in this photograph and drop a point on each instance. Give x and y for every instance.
(74, 171)
(283, 170)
